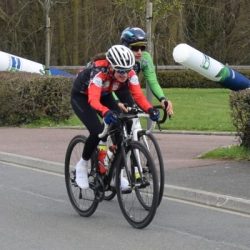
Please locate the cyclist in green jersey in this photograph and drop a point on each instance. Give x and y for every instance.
(136, 39)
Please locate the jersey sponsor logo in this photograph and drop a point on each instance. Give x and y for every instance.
(134, 80)
(97, 81)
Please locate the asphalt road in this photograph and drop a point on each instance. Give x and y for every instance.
(35, 214)
(211, 182)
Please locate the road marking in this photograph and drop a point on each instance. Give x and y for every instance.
(30, 168)
(38, 195)
(207, 206)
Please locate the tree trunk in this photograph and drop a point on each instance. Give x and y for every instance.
(61, 38)
(75, 51)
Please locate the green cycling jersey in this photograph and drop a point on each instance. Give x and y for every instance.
(147, 67)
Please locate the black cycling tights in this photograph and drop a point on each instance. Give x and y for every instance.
(90, 118)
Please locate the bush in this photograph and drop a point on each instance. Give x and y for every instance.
(240, 105)
(188, 79)
(184, 79)
(25, 97)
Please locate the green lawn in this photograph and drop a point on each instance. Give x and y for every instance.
(194, 109)
(228, 153)
(200, 109)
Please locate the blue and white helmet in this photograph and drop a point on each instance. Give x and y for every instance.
(120, 57)
(133, 37)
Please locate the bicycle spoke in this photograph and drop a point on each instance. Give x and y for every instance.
(139, 205)
(83, 201)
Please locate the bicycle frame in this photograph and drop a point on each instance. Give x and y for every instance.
(124, 138)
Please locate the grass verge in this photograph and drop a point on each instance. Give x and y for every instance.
(228, 153)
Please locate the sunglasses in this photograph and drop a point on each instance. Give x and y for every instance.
(137, 48)
(122, 71)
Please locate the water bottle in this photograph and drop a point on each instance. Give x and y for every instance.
(102, 153)
(110, 152)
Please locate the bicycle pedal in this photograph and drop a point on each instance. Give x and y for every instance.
(127, 191)
(143, 184)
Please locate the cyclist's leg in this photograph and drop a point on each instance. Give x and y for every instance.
(89, 118)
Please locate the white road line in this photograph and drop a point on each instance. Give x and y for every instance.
(30, 168)
(206, 206)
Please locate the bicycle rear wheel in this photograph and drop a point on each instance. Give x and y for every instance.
(83, 201)
(136, 155)
(149, 141)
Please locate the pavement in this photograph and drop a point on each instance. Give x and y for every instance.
(217, 183)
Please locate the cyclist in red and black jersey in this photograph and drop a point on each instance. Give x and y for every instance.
(92, 96)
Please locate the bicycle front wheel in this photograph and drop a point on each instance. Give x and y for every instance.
(136, 157)
(149, 141)
(83, 201)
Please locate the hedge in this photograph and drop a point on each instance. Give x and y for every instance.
(25, 97)
(240, 105)
(188, 79)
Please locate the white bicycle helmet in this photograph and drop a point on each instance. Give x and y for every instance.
(120, 57)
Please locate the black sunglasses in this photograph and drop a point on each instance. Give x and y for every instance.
(122, 71)
(137, 48)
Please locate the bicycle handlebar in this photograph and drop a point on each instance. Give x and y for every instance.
(135, 112)
(140, 113)
(165, 115)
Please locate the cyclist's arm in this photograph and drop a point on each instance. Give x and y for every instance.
(137, 93)
(148, 70)
(94, 95)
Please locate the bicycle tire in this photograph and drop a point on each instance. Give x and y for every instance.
(154, 149)
(83, 201)
(131, 207)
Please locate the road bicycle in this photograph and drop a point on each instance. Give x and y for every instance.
(131, 160)
(137, 133)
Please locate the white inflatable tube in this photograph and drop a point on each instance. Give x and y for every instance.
(197, 61)
(209, 67)
(9, 62)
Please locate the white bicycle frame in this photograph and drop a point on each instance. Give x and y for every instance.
(136, 127)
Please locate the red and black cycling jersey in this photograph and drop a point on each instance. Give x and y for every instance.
(98, 79)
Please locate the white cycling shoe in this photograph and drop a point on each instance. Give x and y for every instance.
(124, 183)
(82, 176)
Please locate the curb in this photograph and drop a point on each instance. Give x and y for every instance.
(32, 162)
(208, 198)
(187, 194)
